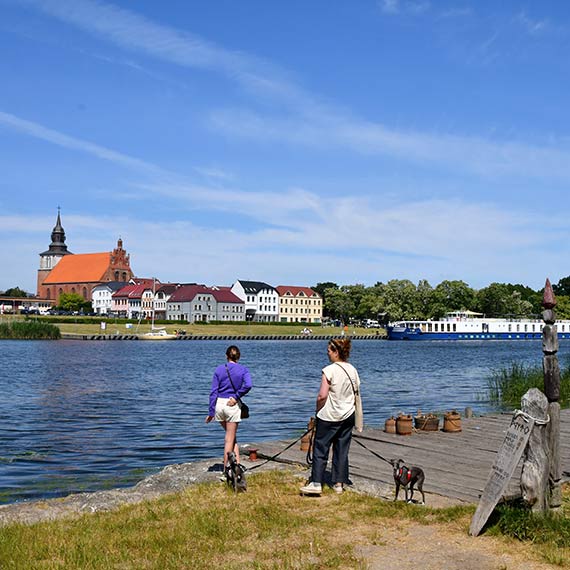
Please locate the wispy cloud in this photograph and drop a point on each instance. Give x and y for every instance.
(458, 153)
(404, 6)
(531, 26)
(35, 130)
(316, 123)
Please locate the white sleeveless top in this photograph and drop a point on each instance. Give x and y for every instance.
(340, 401)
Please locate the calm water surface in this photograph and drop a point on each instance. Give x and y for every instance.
(82, 416)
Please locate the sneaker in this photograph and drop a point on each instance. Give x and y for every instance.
(311, 489)
(338, 488)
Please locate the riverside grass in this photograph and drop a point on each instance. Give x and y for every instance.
(507, 386)
(29, 330)
(208, 526)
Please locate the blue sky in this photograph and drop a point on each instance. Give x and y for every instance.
(293, 142)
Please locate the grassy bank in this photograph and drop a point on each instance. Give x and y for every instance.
(29, 330)
(506, 386)
(270, 526)
(89, 327)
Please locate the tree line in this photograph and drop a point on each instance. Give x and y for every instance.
(401, 299)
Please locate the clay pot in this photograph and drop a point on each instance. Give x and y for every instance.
(452, 421)
(404, 425)
(306, 439)
(390, 425)
(252, 454)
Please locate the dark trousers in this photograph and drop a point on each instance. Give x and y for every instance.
(339, 435)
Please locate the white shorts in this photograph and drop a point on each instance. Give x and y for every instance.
(225, 413)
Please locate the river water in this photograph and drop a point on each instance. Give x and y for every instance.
(83, 416)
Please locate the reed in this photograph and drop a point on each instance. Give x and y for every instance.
(506, 386)
(29, 330)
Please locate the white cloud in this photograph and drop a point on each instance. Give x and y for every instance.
(38, 131)
(455, 152)
(404, 6)
(532, 27)
(309, 121)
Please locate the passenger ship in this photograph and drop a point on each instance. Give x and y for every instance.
(468, 325)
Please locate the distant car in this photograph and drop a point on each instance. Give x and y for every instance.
(371, 324)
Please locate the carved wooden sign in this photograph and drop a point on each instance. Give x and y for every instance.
(506, 461)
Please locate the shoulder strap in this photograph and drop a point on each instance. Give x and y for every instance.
(351, 382)
(231, 382)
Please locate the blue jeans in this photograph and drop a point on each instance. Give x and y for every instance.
(339, 435)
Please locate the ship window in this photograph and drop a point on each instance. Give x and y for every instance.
(525, 328)
(518, 328)
(454, 327)
(510, 326)
(435, 327)
(448, 327)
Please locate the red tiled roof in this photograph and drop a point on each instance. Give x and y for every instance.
(224, 295)
(283, 289)
(188, 292)
(80, 268)
(130, 291)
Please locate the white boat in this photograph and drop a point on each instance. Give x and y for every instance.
(158, 334)
(468, 325)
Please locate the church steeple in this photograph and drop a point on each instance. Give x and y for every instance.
(58, 237)
(57, 248)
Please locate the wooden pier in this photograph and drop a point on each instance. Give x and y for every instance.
(456, 464)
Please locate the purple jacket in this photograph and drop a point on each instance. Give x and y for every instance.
(222, 388)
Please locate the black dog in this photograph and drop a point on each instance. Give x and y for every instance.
(408, 477)
(235, 474)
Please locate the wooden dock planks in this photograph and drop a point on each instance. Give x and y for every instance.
(456, 465)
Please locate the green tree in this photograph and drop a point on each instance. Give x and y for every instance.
(15, 292)
(73, 302)
(399, 300)
(339, 304)
(503, 299)
(321, 289)
(454, 295)
(562, 287)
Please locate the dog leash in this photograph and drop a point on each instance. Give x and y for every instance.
(355, 438)
(273, 457)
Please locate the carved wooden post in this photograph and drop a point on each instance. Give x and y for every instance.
(551, 371)
(535, 469)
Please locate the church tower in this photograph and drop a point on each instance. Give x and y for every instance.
(57, 250)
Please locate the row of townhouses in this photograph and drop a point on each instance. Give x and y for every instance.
(244, 301)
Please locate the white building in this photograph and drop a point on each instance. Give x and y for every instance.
(102, 296)
(261, 300)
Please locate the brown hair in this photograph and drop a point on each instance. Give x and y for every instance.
(342, 346)
(233, 353)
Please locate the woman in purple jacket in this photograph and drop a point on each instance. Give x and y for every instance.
(230, 383)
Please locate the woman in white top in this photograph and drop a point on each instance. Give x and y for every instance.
(336, 406)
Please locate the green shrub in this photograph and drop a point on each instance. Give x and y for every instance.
(29, 330)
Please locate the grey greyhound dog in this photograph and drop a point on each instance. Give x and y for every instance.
(408, 477)
(235, 474)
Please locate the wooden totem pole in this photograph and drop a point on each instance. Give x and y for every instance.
(551, 371)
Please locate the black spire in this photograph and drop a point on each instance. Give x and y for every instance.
(57, 245)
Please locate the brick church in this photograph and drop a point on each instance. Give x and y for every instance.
(64, 272)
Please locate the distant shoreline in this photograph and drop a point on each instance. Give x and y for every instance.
(76, 336)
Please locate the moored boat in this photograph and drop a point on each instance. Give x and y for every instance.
(468, 325)
(157, 334)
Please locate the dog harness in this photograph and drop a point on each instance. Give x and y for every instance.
(405, 473)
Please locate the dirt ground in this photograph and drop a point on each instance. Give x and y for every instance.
(422, 547)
